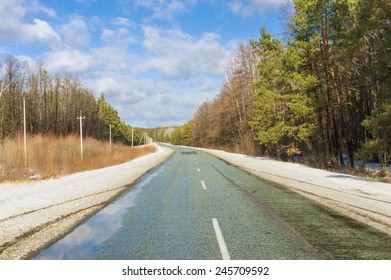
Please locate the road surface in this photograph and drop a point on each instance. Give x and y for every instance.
(196, 206)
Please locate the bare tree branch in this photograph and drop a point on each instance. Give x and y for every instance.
(2, 89)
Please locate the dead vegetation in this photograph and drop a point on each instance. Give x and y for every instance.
(379, 175)
(50, 156)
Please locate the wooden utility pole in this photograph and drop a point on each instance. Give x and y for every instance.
(142, 136)
(81, 118)
(24, 131)
(132, 137)
(110, 137)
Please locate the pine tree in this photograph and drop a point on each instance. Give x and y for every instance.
(284, 117)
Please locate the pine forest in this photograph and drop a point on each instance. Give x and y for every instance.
(320, 95)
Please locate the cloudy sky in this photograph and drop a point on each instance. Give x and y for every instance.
(156, 61)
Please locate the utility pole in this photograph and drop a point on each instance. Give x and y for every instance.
(132, 136)
(142, 136)
(81, 118)
(110, 138)
(24, 131)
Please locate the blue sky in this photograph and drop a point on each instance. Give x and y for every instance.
(156, 61)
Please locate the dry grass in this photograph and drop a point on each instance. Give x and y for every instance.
(378, 175)
(50, 156)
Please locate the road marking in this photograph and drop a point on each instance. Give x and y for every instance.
(197, 163)
(220, 240)
(198, 170)
(203, 185)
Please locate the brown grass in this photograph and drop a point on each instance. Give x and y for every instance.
(49, 156)
(383, 176)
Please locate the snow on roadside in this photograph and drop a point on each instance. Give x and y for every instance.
(27, 207)
(24, 197)
(363, 199)
(34, 214)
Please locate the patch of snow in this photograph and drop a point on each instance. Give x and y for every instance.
(356, 196)
(31, 205)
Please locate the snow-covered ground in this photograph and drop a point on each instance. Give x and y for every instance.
(34, 214)
(362, 199)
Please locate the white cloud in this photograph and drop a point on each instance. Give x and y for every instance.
(69, 61)
(161, 9)
(239, 8)
(39, 31)
(111, 59)
(161, 86)
(35, 7)
(87, 63)
(119, 37)
(175, 54)
(153, 102)
(248, 8)
(76, 32)
(120, 21)
(15, 27)
(158, 79)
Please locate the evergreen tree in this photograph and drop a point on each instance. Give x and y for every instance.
(283, 118)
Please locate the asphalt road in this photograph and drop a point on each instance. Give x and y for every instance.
(196, 207)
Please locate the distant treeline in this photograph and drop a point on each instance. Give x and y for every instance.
(53, 104)
(323, 95)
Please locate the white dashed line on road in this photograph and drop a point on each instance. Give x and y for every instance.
(198, 170)
(220, 240)
(203, 185)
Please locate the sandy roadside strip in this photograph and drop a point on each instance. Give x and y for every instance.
(362, 199)
(34, 215)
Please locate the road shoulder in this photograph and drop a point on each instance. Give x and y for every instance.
(361, 199)
(35, 215)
